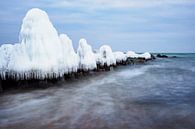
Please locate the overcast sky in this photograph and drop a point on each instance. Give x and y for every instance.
(139, 25)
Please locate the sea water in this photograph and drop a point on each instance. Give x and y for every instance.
(157, 95)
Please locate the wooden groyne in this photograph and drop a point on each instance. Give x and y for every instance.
(11, 82)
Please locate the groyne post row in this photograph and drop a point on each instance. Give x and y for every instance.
(11, 82)
(44, 55)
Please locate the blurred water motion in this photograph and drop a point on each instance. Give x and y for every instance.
(158, 95)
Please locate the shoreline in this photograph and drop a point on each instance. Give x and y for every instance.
(10, 83)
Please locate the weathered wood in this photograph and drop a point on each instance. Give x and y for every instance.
(1, 88)
(11, 81)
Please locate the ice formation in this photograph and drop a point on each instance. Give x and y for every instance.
(86, 56)
(5, 53)
(42, 53)
(40, 42)
(145, 55)
(132, 54)
(120, 56)
(70, 57)
(106, 56)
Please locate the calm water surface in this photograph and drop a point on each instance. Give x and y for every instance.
(158, 95)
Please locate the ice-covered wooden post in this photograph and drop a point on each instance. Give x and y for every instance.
(87, 59)
(107, 57)
(40, 51)
(121, 58)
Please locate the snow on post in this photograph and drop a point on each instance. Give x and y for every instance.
(87, 59)
(40, 52)
(132, 54)
(106, 55)
(145, 55)
(5, 53)
(40, 41)
(120, 56)
(70, 57)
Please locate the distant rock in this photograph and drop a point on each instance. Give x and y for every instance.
(161, 56)
(173, 56)
(164, 56)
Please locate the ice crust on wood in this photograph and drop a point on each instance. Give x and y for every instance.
(43, 53)
(106, 56)
(132, 54)
(87, 60)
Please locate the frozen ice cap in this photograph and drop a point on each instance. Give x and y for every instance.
(107, 56)
(42, 53)
(40, 50)
(5, 54)
(120, 56)
(132, 54)
(87, 59)
(145, 55)
(70, 58)
(40, 40)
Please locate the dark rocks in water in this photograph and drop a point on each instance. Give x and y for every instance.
(161, 56)
(130, 60)
(101, 67)
(121, 62)
(138, 60)
(105, 67)
(153, 57)
(1, 89)
(165, 56)
(173, 56)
